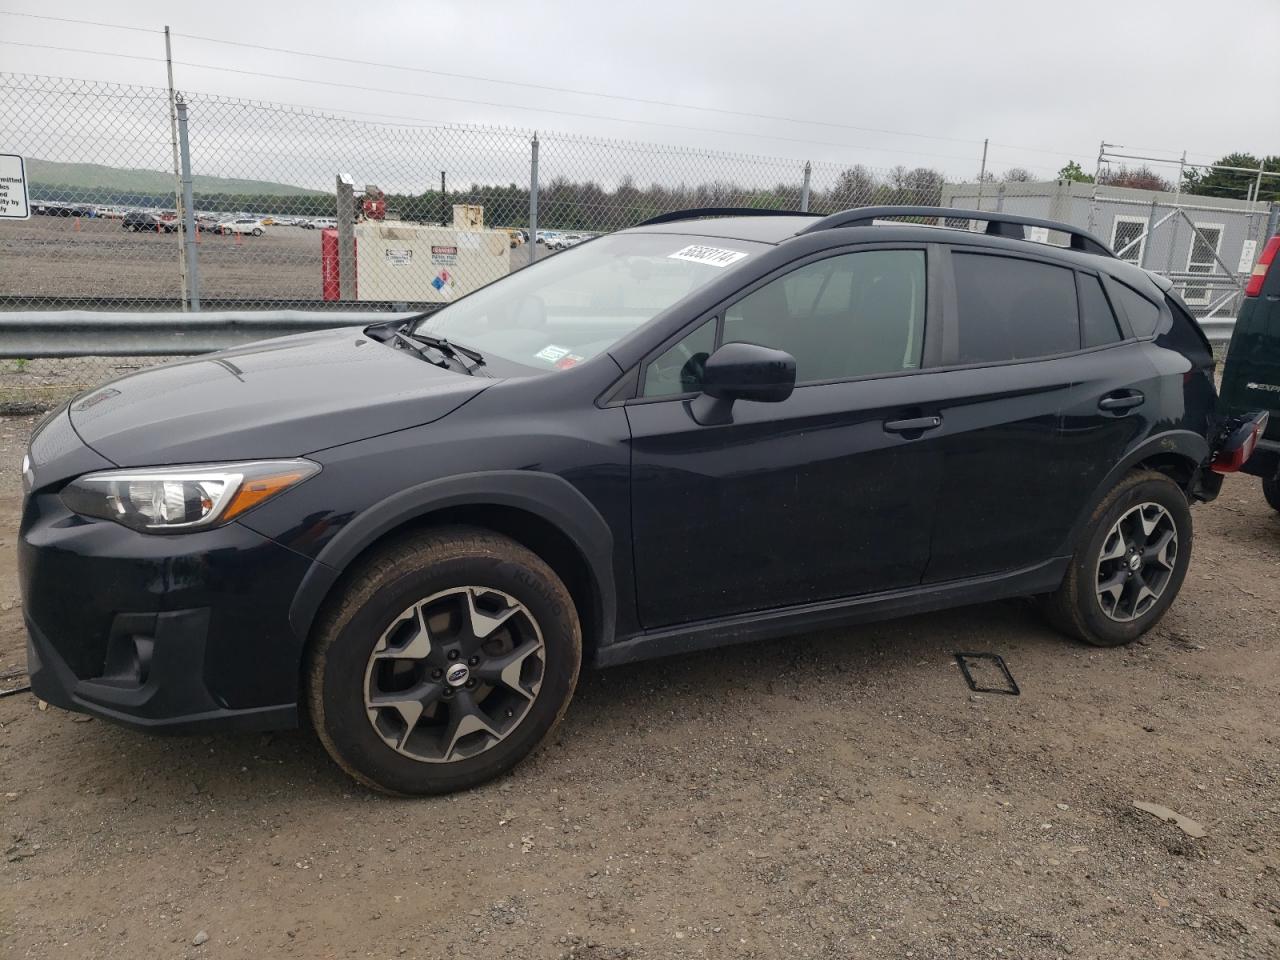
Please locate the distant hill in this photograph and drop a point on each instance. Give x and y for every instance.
(96, 177)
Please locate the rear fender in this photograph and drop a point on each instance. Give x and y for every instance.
(1187, 450)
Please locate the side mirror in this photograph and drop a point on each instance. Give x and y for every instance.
(742, 371)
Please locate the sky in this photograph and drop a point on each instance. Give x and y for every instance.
(919, 83)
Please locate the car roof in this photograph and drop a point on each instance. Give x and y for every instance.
(759, 229)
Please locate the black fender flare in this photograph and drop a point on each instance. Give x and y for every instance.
(550, 497)
(1186, 444)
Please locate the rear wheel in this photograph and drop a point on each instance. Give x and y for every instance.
(1130, 564)
(1271, 490)
(445, 662)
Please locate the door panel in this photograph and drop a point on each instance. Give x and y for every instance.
(799, 501)
(1006, 473)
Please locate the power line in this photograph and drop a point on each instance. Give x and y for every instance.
(774, 118)
(85, 23)
(489, 103)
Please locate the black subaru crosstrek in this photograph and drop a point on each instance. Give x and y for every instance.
(704, 430)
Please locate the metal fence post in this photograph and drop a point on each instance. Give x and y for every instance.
(982, 173)
(1093, 198)
(533, 199)
(346, 237)
(1273, 222)
(177, 172)
(188, 210)
(1151, 234)
(804, 187)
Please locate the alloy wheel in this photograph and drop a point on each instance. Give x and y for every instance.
(1136, 562)
(454, 674)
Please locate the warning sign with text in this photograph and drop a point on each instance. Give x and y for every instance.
(13, 188)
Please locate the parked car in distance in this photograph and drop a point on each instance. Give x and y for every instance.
(1251, 373)
(142, 220)
(242, 225)
(699, 431)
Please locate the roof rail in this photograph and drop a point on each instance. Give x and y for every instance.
(998, 223)
(701, 212)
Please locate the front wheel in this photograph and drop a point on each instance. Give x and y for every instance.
(1130, 564)
(257, 231)
(1271, 491)
(447, 659)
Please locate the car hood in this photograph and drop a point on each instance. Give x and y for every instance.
(276, 398)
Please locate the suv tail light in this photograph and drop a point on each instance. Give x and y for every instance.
(1259, 275)
(1240, 438)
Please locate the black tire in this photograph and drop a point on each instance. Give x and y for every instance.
(1076, 607)
(1271, 491)
(257, 231)
(341, 659)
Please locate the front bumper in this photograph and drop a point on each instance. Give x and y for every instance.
(178, 632)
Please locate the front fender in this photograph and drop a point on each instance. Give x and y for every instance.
(545, 495)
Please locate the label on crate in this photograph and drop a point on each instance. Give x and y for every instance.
(14, 204)
(397, 257)
(447, 256)
(1247, 253)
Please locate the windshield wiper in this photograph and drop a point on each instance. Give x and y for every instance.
(454, 351)
(452, 355)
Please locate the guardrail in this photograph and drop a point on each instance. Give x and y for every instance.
(1218, 329)
(62, 334)
(84, 333)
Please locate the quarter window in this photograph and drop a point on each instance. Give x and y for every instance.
(1142, 313)
(679, 369)
(1012, 309)
(1097, 321)
(853, 315)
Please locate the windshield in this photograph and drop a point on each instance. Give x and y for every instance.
(574, 305)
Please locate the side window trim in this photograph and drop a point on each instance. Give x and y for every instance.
(930, 356)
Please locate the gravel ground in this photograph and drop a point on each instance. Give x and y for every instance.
(841, 795)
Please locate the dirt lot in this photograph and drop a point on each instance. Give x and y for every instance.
(90, 257)
(839, 796)
(63, 257)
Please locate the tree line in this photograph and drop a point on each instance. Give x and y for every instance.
(585, 205)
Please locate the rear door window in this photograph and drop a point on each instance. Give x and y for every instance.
(1013, 309)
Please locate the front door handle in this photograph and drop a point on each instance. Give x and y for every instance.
(1121, 400)
(914, 425)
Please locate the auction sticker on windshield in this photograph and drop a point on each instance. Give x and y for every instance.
(712, 256)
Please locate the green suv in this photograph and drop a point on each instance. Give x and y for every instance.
(1251, 375)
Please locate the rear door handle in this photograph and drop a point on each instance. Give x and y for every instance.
(914, 425)
(1121, 400)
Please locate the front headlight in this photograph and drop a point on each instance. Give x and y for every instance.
(176, 499)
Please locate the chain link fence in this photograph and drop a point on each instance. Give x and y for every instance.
(293, 207)
(296, 208)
